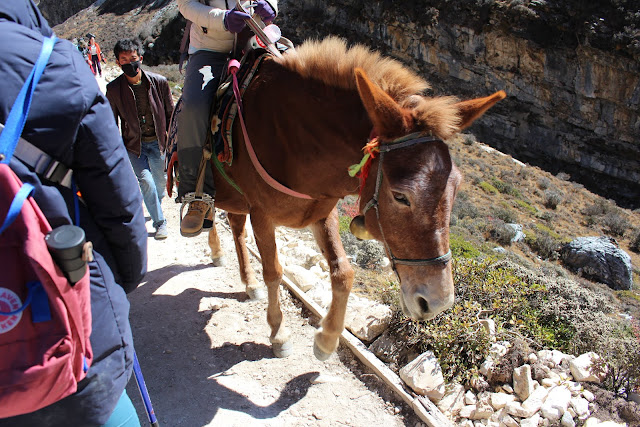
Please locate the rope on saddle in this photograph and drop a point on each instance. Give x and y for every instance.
(233, 69)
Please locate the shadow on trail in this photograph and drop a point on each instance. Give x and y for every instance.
(182, 372)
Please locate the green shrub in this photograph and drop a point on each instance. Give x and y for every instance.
(552, 198)
(464, 208)
(488, 188)
(456, 336)
(544, 242)
(505, 187)
(344, 222)
(500, 232)
(615, 223)
(462, 248)
(505, 214)
(531, 210)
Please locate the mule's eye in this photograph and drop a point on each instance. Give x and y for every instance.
(401, 198)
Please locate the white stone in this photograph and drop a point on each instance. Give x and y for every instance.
(466, 423)
(302, 277)
(453, 399)
(500, 400)
(516, 409)
(489, 326)
(467, 410)
(487, 366)
(367, 319)
(581, 406)
(548, 382)
(567, 420)
(424, 376)
(470, 398)
(507, 388)
(582, 368)
(532, 358)
(588, 395)
(522, 382)
(557, 357)
(535, 400)
(560, 396)
(530, 421)
(500, 348)
(592, 422)
(507, 420)
(482, 412)
(551, 413)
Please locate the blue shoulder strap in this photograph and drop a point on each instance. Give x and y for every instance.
(15, 124)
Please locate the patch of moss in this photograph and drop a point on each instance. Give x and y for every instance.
(531, 210)
(488, 188)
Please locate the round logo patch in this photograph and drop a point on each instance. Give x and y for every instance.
(9, 302)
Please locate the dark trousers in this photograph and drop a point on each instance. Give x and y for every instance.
(200, 84)
(96, 64)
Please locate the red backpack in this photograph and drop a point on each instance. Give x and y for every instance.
(45, 321)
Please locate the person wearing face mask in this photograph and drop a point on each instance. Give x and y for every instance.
(142, 104)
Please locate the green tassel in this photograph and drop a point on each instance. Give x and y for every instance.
(354, 169)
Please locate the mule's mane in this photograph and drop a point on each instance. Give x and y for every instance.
(333, 63)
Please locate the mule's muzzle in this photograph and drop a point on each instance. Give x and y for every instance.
(420, 307)
(358, 228)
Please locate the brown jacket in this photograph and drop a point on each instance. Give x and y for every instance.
(123, 104)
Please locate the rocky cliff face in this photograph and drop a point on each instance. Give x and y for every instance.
(571, 70)
(572, 74)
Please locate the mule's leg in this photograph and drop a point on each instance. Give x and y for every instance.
(217, 254)
(255, 290)
(264, 232)
(327, 236)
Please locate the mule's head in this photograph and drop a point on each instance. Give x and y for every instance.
(416, 192)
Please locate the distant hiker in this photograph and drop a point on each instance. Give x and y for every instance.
(211, 40)
(84, 50)
(70, 121)
(96, 54)
(141, 101)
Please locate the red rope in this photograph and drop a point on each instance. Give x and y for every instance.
(371, 149)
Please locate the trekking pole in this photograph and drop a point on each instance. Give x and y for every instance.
(143, 392)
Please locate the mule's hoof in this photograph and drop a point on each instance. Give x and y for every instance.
(320, 355)
(256, 294)
(282, 350)
(219, 262)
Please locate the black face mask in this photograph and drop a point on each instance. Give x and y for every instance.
(131, 69)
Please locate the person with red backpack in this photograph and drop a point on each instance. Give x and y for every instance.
(71, 127)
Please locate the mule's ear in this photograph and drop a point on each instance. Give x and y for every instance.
(385, 113)
(472, 109)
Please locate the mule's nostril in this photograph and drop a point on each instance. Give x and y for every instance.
(424, 305)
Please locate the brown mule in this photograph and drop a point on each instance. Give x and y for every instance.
(309, 115)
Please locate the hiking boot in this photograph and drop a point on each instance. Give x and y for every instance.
(161, 232)
(191, 224)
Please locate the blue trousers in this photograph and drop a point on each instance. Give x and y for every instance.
(149, 169)
(124, 415)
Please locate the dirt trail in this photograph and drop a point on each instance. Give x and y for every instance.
(206, 358)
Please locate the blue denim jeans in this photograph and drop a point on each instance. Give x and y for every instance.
(149, 168)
